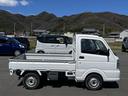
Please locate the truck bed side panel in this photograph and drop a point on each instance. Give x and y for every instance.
(46, 66)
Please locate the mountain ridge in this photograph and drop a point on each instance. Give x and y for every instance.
(73, 23)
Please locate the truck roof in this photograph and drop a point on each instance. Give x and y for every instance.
(85, 35)
(51, 35)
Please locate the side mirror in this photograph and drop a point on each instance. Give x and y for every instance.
(108, 52)
(66, 43)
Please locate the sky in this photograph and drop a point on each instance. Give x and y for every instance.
(64, 7)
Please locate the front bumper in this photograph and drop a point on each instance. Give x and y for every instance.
(113, 75)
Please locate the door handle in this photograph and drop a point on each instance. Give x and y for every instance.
(81, 57)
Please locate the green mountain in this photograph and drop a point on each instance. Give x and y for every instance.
(73, 23)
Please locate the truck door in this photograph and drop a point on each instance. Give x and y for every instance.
(92, 55)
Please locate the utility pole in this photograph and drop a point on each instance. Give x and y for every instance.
(31, 29)
(64, 27)
(14, 29)
(103, 34)
(62, 24)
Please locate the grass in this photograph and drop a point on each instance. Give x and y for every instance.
(32, 43)
(115, 46)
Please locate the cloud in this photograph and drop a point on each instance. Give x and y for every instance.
(12, 3)
(24, 2)
(8, 3)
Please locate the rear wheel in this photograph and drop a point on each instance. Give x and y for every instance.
(41, 52)
(31, 81)
(94, 82)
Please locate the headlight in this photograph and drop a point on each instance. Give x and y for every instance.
(21, 46)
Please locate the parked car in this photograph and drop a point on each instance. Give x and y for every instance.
(10, 46)
(53, 44)
(125, 44)
(24, 41)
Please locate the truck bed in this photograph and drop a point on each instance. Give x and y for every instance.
(41, 64)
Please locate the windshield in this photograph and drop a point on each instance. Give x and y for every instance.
(22, 40)
(12, 40)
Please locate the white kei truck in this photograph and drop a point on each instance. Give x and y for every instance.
(92, 62)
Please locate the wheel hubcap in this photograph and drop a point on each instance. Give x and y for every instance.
(31, 81)
(17, 53)
(94, 83)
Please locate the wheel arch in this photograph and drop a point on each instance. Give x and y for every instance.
(94, 71)
(40, 51)
(30, 71)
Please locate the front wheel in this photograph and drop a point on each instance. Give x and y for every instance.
(31, 81)
(17, 53)
(94, 82)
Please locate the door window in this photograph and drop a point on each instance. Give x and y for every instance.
(60, 40)
(91, 46)
(50, 40)
(56, 40)
(3, 41)
(68, 40)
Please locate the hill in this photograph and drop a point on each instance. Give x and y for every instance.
(73, 23)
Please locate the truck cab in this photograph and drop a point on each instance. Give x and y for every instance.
(93, 55)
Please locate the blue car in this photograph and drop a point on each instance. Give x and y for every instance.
(10, 46)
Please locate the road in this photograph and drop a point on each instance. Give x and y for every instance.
(10, 85)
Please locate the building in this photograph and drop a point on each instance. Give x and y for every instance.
(124, 34)
(40, 32)
(90, 31)
(114, 35)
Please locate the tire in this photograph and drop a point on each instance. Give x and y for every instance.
(123, 48)
(17, 53)
(31, 81)
(70, 52)
(94, 82)
(41, 52)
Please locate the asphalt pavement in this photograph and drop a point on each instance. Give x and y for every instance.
(11, 86)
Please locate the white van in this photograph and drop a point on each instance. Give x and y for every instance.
(54, 44)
